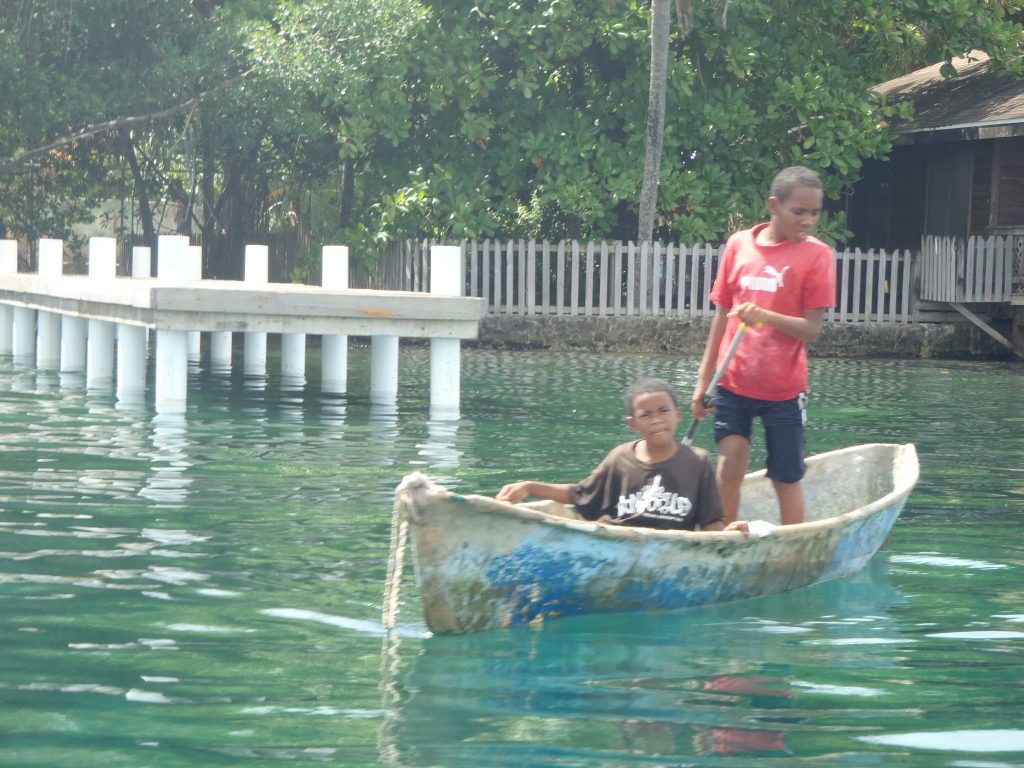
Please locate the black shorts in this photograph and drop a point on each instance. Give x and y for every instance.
(783, 422)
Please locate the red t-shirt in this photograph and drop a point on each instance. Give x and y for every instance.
(788, 278)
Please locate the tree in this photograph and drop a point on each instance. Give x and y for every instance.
(787, 82)
(363, 119)
(75, 76)
(343, 70)
(656, 96)
(534, 107)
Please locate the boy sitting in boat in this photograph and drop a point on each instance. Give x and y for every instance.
(656, 481)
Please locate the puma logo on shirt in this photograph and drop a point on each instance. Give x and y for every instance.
(769, 284)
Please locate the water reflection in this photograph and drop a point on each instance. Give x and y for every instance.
(440, 451)
(47, 381)
(134, 402)
(168, 483)
(205, 587)
(23, 378)
(292, 382)
(383, 420)
(254, 381)
(333, 413)
(981, 740)
(291, 403)
(714, 681)
(72, 382)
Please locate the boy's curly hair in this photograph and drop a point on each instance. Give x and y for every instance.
(645, 386)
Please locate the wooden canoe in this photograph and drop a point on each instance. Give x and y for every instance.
(485, 564)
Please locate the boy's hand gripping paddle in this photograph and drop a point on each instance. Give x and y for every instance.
(710, 393)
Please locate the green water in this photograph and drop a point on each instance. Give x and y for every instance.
(207, 591)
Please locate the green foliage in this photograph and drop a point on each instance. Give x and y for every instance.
(526, 102)
(67, 66)
(307, 261)
(544, 102)
(359, 120)
(535, 220)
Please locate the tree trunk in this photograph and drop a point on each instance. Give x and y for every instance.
(208, 173)
(347, 197)
(145, 210)
(684, 17)
(660, 20)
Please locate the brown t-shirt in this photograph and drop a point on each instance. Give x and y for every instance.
(677, 493)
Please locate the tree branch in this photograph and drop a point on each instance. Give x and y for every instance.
(13, 163)
(88, 132)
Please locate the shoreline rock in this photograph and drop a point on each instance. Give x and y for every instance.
(686, 336)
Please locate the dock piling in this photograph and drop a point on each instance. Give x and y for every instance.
(48, 329)
(446, 279)
(99, 355)
(8, 266)
(257, 271)
(75, 321)
(334, 347)
(171, 346)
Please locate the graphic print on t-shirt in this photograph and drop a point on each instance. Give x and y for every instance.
(653, 501)
(770, 284)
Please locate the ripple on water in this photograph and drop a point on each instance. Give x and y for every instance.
(996, 740)
(258, 524)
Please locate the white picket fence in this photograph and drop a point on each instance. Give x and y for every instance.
(616, 279)
(980, 269)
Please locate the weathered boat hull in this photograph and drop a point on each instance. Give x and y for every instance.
(484, 564)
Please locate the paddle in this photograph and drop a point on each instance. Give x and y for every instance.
(715, 379)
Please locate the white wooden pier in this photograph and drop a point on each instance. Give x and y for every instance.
(97, 323)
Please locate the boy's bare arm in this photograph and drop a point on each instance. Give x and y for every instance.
(516, 492)
(807, 328)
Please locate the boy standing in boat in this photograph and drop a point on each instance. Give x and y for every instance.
(655, 481)
(779, 280)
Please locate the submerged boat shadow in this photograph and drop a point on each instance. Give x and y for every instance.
(716, 679)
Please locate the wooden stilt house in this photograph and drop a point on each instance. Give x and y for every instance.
(954, 187)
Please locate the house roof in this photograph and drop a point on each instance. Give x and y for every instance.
(975, 97)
